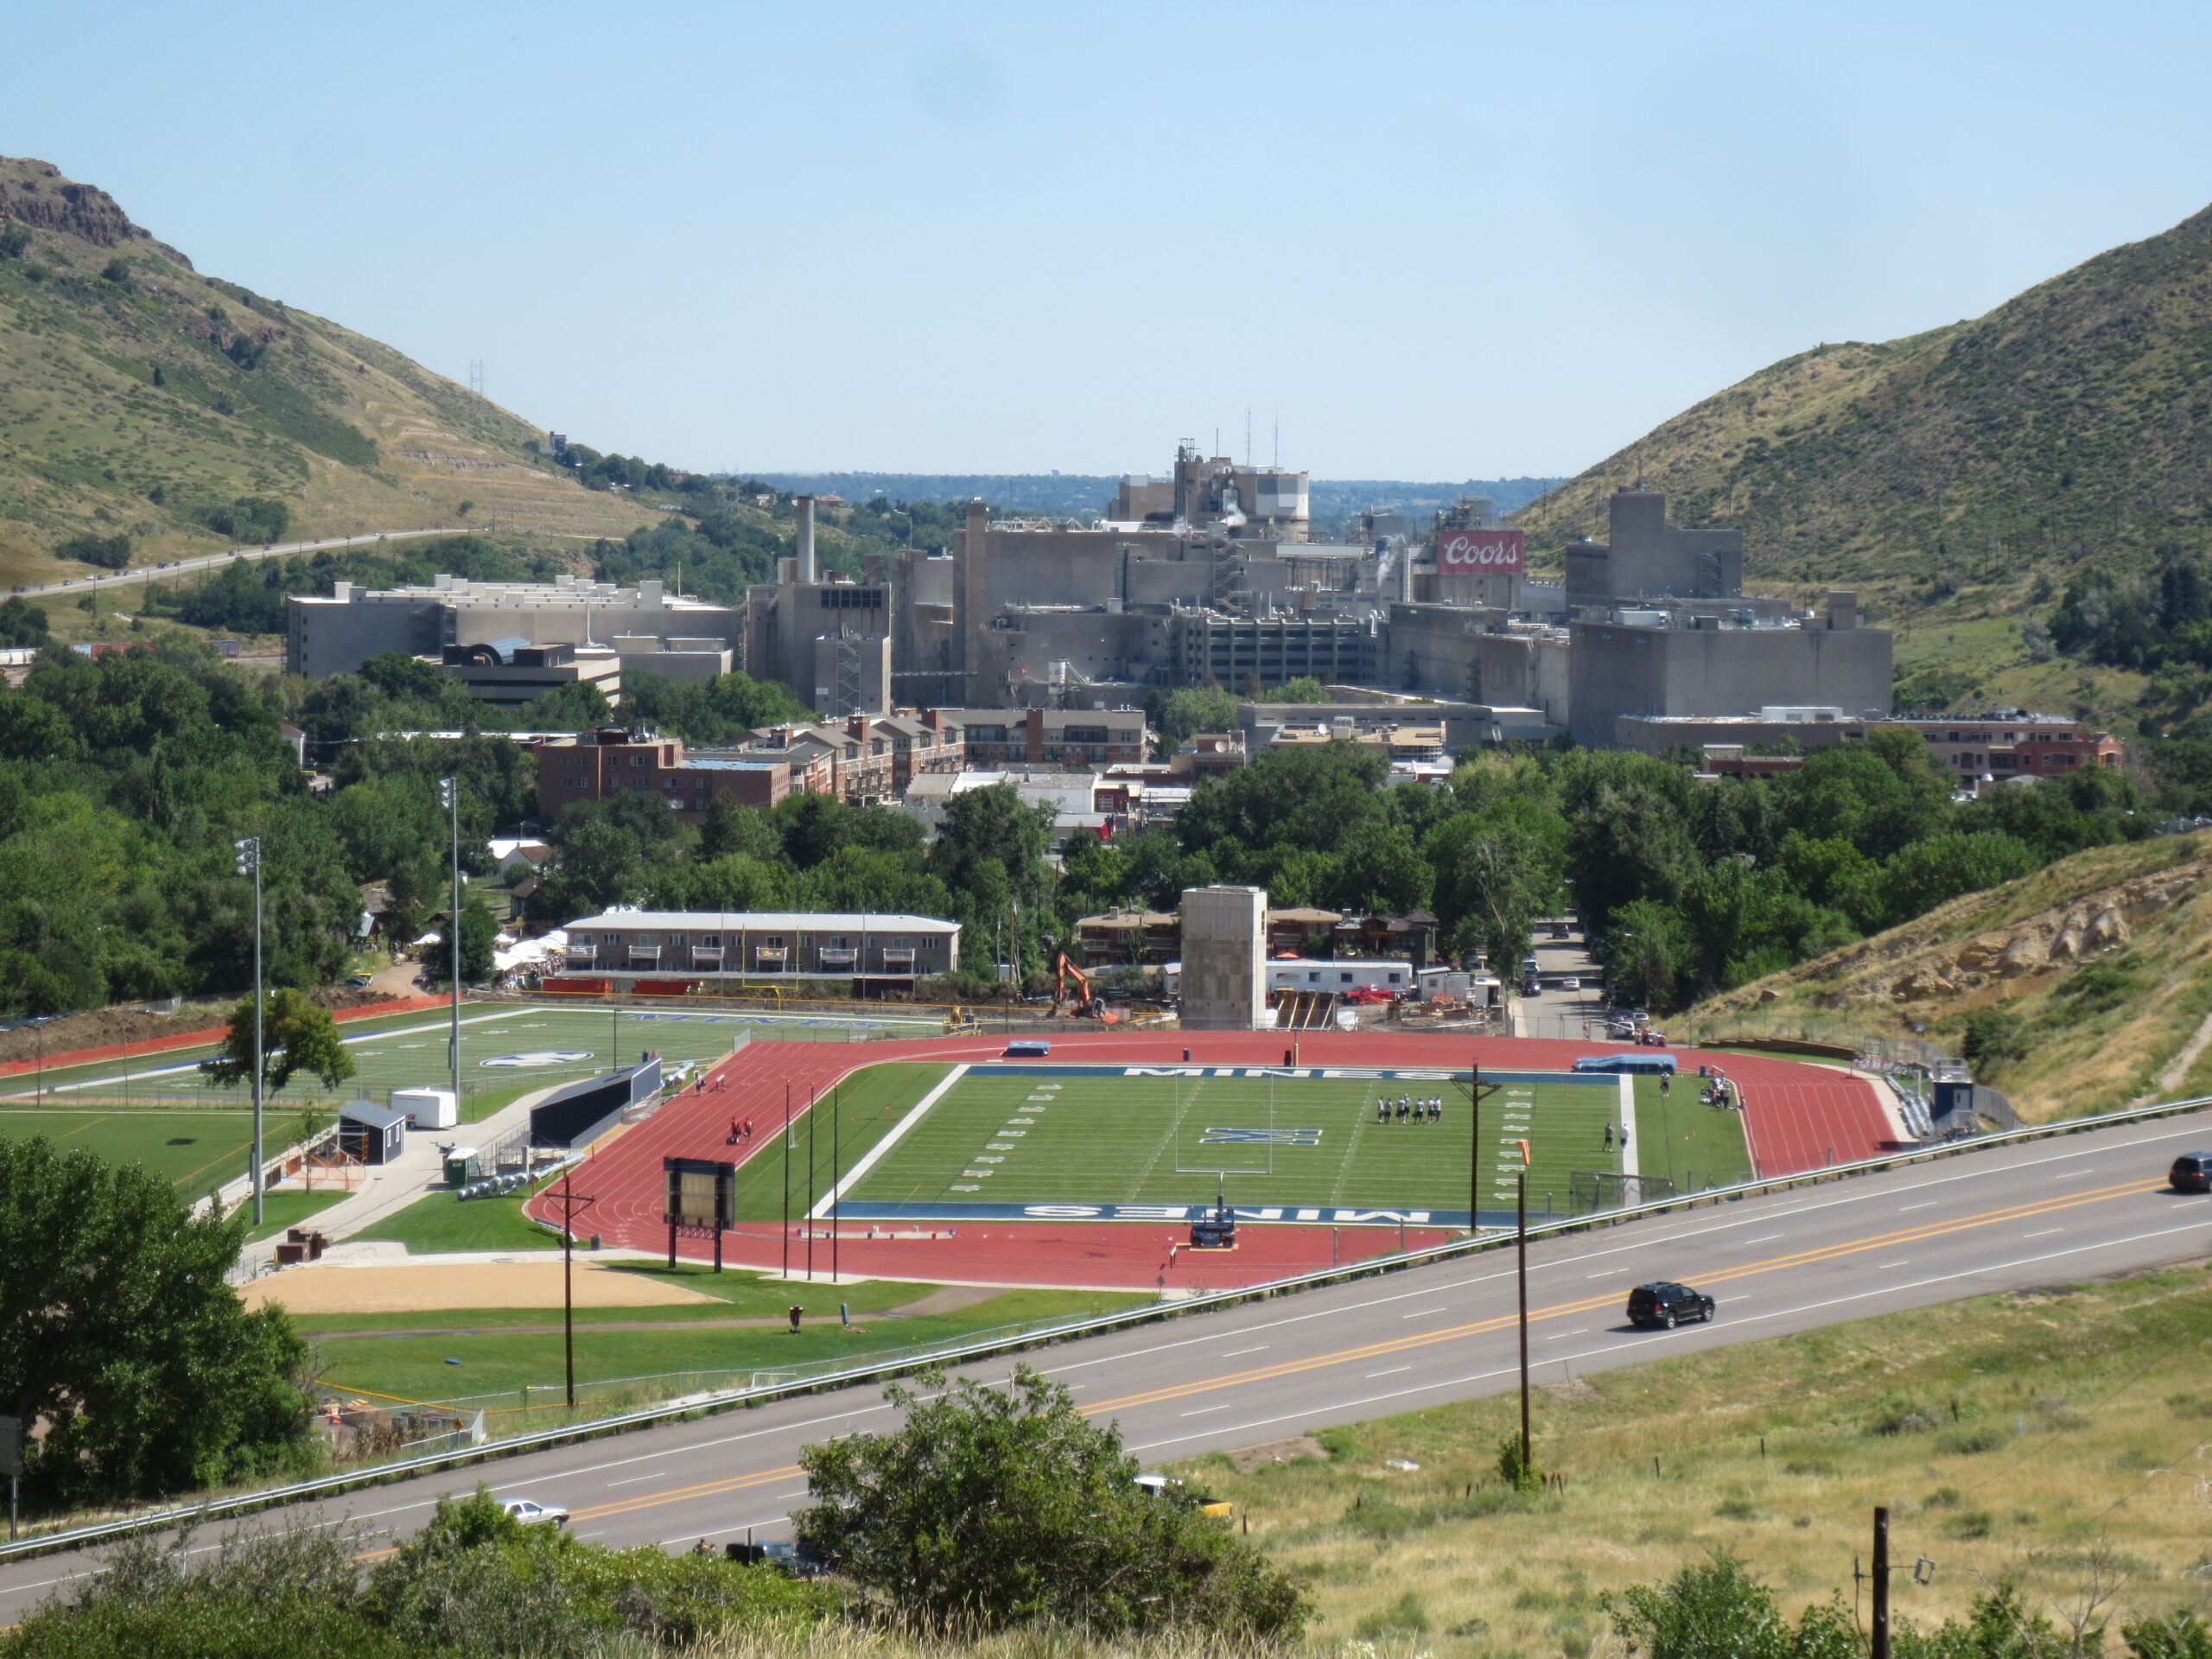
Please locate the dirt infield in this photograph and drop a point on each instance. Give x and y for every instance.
(414, 1287)
(1798, 1117)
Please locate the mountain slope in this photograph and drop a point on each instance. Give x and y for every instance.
(140, 398)
(1951, 469)
(2090, 982)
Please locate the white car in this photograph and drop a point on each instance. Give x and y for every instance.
(1570, 983)
(531, 1512)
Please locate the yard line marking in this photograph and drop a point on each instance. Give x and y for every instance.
(897, 1132)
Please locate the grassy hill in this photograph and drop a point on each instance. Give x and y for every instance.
(140, 398)
(2078, 988)
(1964, 475)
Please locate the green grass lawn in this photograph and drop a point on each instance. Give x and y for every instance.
(283, 1209)
(494, 1365)
(439, 1222)
(1693, 1146)
(1069, 1135)
(862, 1110)
(195, 1149)
(738, 1294)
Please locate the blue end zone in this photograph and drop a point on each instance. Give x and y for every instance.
(1294, 1073)
(1324, 1215)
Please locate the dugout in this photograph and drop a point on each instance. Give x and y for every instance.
(577, 1115)
(372, 1133)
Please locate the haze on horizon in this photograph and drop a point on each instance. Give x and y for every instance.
(1430, 241)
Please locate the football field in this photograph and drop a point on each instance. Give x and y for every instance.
(1288, 1144)
(158, 1109)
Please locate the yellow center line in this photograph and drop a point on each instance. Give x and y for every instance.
(1403, 1345)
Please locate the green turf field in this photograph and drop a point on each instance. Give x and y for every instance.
(158, 1111)
(1081, 1135)
(195, 1149)
(1692, 1145)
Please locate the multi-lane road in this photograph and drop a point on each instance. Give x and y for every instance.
(211, 561)
(2057, 1211)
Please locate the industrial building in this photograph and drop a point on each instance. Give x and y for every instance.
(1224, 979)
(1978, 749)
(648, 629)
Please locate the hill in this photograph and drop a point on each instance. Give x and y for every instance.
(2074, 989)
(141, 399)
(1963, 475)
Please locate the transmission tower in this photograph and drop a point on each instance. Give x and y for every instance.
(476, 375)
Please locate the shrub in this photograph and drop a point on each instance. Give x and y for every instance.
(111, 552)
(1404, 1616)
(1968, 1442)
(250, 519)
(21, 623)
(15, 241)
(1992, 1037)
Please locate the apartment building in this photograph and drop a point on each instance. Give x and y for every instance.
(1046, 737)
(597, 765)
(870, 952)
(1978, 749)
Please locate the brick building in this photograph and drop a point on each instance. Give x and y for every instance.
(870, 952)
(595, 766)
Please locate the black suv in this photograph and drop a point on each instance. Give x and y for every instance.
(2192, 1173)
(1665, 1305)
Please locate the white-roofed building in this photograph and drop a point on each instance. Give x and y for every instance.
(871, 950)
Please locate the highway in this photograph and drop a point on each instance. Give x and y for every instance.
(212, 561)
(2059, 1211)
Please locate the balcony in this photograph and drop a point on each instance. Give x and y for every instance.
(838, 957)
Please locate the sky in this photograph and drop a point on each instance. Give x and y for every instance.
(1428, 242)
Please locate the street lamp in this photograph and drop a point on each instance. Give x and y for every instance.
(450, 798)
(249, 864)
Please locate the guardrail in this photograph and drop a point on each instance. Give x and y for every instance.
(989, 1346)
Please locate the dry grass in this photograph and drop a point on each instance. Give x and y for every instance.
(2012, 1435)
(2088, 1050)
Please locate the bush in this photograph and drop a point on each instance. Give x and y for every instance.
(1404, 1616)
(250, 519)
(111, 552)
(15, 241)
(1970, 1442)
(1993, 1037)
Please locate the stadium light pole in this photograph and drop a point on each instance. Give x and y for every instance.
(835, 1095)
(787, 1177)
(249, 864)
(810, 1184)
(450, 798)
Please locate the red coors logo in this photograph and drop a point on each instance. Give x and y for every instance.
(1479, 552)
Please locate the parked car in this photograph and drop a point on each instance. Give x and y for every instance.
(2192, 1173)
(785, 1558)
(1570, 983)
(1665, 1304)
(360, 982)
(531, 1512)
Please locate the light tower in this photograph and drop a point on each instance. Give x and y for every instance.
(249, 864)
(450, 798)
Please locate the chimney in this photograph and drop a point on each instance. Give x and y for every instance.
(1406, 573)
(802, 514)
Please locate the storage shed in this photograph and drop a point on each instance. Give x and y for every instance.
(372, 1133)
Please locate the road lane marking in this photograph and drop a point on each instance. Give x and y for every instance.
(1393, 1371)
(1765, 1238)
(1233, 1353)
(634, 1479)
(1928, 1204)
(2045, 1233)
(1425, 1312)
(1884, 1267)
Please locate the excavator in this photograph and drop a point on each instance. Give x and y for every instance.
(1089, 1005)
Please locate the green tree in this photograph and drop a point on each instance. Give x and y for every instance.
(1304, 689)
(119, 1331)
(21, 623)
(1176, 714)
(1497, 872)
(996, 1506)
(479, 936)
(296, 1037)
(1649, 954)
(1309, 798)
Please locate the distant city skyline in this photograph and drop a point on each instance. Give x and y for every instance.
(1423, 241)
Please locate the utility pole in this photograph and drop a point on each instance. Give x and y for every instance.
(1521, 1274)
(810, 1184)
(450, 798)
(249, 864)
(569, 1203)
(787, 1177)
(1476, 1092)
(1881, 1632)
(836, 1198)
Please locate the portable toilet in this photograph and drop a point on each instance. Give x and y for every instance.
(459, 1162)
(372, 1133)
(427, 1109)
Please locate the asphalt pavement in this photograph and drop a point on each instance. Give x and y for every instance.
(2009, 1218)
(213, 561)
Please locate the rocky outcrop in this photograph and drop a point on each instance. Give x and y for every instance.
(33, 192)
(2089, 926)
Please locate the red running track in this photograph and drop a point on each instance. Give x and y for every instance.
(1794, 1114)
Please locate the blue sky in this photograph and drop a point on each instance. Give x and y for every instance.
(1431, 241)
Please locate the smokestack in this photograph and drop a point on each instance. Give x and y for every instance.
(802, 511)
(1406, 572)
